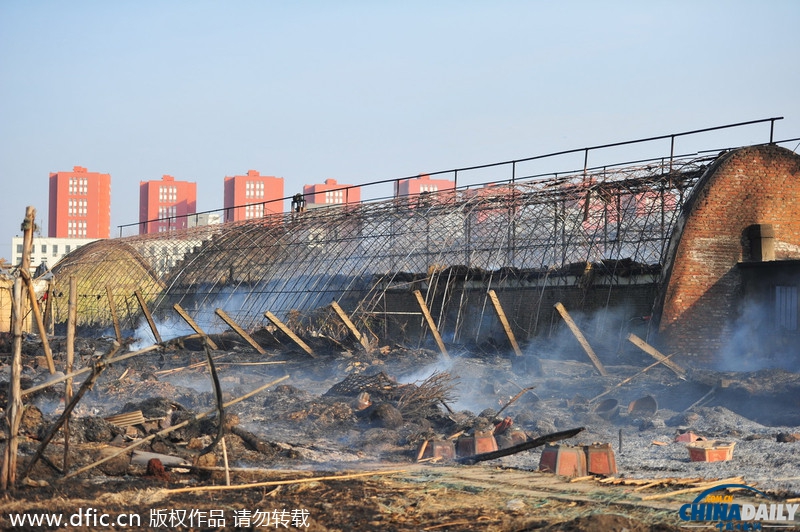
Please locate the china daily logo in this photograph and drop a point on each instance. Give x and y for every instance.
(720, 511)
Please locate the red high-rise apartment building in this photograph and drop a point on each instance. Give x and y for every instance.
(252, 196)
(331, 193)
(80, 204)
(165, 205)
(424, 183)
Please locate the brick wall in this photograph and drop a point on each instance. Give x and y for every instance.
(702, 295)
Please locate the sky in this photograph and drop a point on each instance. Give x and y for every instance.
(361, 91)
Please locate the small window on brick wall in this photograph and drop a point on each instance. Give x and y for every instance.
(786, 307)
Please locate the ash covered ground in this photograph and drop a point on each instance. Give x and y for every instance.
(319, 418)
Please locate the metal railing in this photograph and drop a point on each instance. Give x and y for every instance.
(269, 207)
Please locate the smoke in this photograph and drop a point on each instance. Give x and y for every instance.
(761, 338)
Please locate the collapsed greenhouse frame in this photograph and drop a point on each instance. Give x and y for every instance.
(299, 262)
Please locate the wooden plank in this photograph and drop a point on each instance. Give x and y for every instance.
(188, 319)
(288, 332)
(147, 316)
(350, 325)
(241, 332)
(501, 315)
(581, 339)
(429, 320)
(653, 352)
(113, 308)
(72, 326)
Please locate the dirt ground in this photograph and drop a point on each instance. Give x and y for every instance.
(302, 455)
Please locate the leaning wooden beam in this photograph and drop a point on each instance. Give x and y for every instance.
(37, 314)
(431, 324)
(350, 325)
(241, 332)
(148, 317)
(581, 339)
(28, 227)
(629, 379)
(14, 406)
(285, 482)
(97, 369)
(524, 446)
(501, 315)
(113, 308)
(188, 319)
(653, 352)
(288, 332)
(166, 431)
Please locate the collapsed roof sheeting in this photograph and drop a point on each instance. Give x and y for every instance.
(301, 261)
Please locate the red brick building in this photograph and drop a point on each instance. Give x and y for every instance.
(732, 274)
(252, 196)
(80, 204)
(331, 193)
(164, 205)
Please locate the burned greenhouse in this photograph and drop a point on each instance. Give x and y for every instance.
(659, 250)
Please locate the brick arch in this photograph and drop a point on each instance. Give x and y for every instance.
(702, 292)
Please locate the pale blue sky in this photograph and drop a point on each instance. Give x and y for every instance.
(368, 90)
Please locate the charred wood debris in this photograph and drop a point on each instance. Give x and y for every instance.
(76, 406)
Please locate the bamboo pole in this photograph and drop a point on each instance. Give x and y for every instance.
(431, 325)
(8, 475)
(113, 308)
(702, 487)
(653, 352)
(285, 482)
(37, 315)
(87, 370)
(48, 308)
(581, 339)
(238, 330)
(148, 317)
(501, 315)
(72, 316)
(288, 332)
(188, 319)
(166, 431)
(97, 369)
(350, 325)
(28, 226)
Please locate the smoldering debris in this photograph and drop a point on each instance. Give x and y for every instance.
(351, 407)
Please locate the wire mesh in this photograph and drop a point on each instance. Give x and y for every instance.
(298, 262)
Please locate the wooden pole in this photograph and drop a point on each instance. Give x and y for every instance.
(629, 379)
(28, 226)
(581, 339)
(429, 320)
(97, 369)
(72, 316)
(288, 332)
(113, 308)
(241, 332)
(504, 322)
(173, 428)
(8, 474)
(188, 319)
(653, 352)
(147, 315)
(81, 371)
(350, 325)
(49, 319)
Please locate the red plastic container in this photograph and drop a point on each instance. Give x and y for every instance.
(480, 442)
(563, 460)
(600, 459)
